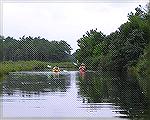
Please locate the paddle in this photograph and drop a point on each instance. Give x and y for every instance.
(49, 66)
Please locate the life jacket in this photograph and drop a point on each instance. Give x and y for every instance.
(56, 69)
(81, 69)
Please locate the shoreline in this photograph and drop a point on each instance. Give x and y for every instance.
(10, 66)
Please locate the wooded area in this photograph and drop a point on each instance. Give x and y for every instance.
(37, 48)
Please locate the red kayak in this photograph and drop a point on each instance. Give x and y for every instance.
(82, 70)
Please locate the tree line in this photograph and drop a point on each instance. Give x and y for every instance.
(33, 48)
(119, 49)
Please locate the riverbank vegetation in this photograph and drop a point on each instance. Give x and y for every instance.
(121, 49)
(10, 66)
(31, 53)
(143, 65)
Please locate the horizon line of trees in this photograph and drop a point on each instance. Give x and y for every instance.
(119, 49)
(33, 48)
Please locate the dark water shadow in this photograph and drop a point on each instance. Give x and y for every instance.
(118, 88)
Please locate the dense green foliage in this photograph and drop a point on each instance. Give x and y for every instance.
(29, 48)
(143, 65)
(121, 48)
(142, 71)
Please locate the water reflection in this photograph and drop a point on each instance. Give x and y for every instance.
(118, 90)
(94, 94)
(33, 84)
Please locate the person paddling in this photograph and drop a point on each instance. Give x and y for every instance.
(82, 68)
(56, 69)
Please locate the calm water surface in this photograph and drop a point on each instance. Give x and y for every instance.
(70, 94)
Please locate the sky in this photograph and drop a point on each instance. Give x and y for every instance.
(67, 21)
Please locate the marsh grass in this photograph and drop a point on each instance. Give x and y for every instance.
(10, 66)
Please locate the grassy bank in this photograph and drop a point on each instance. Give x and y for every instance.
(10, 66)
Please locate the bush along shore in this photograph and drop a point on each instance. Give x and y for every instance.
(10, 66)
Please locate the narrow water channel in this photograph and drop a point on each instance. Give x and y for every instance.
(70, 94)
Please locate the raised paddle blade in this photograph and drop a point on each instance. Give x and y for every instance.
(49, 66)
(75, 64)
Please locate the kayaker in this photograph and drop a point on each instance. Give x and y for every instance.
(82, 68)
(56, 69)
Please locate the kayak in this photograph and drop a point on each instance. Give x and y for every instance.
(56, 70)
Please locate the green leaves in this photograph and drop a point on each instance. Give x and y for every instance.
(88, 45)
(121, 48)
(29, 48)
